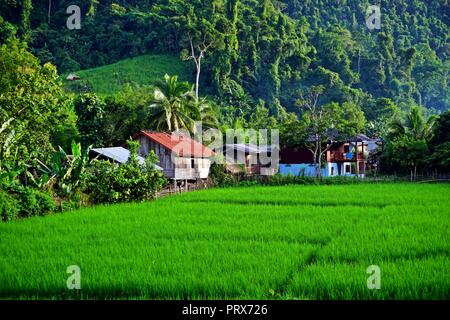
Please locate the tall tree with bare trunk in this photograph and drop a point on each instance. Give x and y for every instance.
(199, 39)
(197, 54)
(319, 123)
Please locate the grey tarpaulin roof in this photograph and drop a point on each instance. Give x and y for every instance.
(119, 155)
(250, 148)
(361, 138)
(333, 136)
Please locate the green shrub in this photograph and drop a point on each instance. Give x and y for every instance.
(285, 180)
(33, 202)
(282, 180)
(248, 183)
(45, 202)
(301, 180)
(74, 202)
(112, 183)
(220, 177)
(8, 207)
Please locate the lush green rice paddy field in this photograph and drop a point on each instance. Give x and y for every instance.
(305, 242)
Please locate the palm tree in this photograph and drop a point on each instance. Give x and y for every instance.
(409, 139)
(175, 107)
(172, 106)
(208, 113)
(414, 126)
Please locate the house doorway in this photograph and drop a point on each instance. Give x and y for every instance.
(339, 169)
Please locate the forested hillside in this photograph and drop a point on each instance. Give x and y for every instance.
(267, 50)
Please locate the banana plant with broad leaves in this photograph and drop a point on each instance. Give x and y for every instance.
(9, 174)
(10, 167)
(66, 171)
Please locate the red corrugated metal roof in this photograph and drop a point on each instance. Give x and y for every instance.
(183, 146)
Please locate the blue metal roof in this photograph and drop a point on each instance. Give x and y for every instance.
(119, 155)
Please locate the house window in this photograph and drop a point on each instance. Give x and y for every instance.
(346, 149)
(348, 169)
(332, 171)
(192, 163)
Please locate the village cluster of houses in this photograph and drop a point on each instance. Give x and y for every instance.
(183, 159)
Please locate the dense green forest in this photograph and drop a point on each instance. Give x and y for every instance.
(265, 50)
(302, 66)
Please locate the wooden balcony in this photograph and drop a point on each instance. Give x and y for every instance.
(346, 157)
